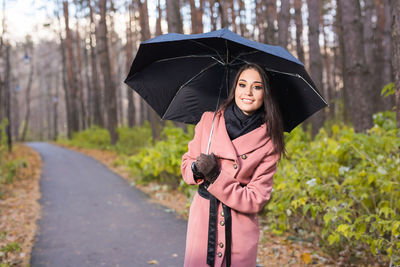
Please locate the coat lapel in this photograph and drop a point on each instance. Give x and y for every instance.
(221, 144)
(251, 141)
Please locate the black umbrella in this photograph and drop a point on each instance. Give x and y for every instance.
(181, 76)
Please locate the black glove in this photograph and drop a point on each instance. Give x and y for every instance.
(208, 166)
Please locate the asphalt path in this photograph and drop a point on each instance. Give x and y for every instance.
(92, 217)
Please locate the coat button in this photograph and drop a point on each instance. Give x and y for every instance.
(235, 166)
(222, 223)
(219, 254)
(221, 245)
(244, 156)
(222, 213)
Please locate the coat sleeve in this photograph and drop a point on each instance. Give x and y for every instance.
(252, 197)
(194, 150)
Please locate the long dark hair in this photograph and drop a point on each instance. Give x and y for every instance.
(272, 114)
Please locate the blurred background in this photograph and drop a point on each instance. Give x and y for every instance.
(63, 63)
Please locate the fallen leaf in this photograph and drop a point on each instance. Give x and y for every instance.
(175, 255)
(306, 258)
(152, 262)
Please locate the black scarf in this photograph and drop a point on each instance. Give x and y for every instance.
(237, 123)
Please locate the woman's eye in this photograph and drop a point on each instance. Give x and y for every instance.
(258, 87)
(242, 85)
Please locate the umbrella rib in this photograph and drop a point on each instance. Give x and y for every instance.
(183, 85)
(243, 54)
(209, 47)
(299, 76)
(189, 56)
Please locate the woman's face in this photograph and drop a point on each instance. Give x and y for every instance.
(249, 91)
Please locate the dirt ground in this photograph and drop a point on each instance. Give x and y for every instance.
(19, 209)
(272, 251)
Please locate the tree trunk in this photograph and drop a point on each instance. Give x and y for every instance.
(97, 91)
(129, 58)
(269, 34)
(298, 17)
(89, 89)
(108, 79)
(158, 22)
(372, 55)
(341, 63)
(329, 74)
(196, 16)
(72, 77)
(242, 15)
(315, 57)
(7, 87)
(174, 18)
(395, 14)
(357, 74)
(80, 98)
(212, 15)
(283, 23)
(55, 109)
(28, 100)
(223, 6)
(382, 56)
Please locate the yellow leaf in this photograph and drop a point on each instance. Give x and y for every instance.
(306, 258)
(152, 262)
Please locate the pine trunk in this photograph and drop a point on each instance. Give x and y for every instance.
(159, 18)
(71, 70)
(129, 58)
(269, 33)
(28, 101)
(357, 74)
(212, 15)
(315, 57)
(105, 63)
(283, 23)
(395, 14)
(174, 17)
(97, 92)
(298, 17)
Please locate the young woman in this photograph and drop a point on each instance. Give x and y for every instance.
(235, 178)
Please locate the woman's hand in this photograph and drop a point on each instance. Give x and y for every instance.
(208, 166)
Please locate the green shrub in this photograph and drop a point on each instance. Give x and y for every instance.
(162, 161)
(343, 190)
(131, 140)
(93, 137)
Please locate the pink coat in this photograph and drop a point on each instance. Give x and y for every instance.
(247, 166)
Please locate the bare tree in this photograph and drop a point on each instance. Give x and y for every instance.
(213, 19)
(196, 16)
(270, 16)
(283, 23)
(159, 19)
(174, 18)
(7, 89)
(96, 92)
(314, 8)
(108, 79)
(129, 56)
(357, 74)
(382, 67)
(395, 14)
(28, 91)
(298, 17)
(71, 70)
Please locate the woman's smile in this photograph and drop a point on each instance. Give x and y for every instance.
(249, 91)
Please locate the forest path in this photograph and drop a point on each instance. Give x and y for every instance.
(91, 217)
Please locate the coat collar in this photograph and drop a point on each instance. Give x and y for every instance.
(223, 147)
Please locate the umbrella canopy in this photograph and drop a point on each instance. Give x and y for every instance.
(182, 76)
